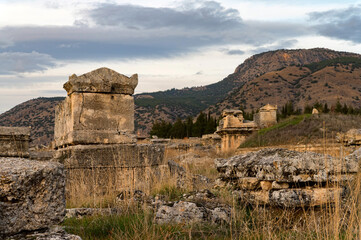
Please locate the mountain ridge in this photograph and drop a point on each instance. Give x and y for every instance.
(171, 104)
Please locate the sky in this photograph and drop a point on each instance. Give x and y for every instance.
(170, 44)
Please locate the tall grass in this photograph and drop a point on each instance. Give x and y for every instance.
(334, 220)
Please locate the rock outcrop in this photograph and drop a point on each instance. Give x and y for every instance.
(31, 195)
(198, 207)
(285, 178)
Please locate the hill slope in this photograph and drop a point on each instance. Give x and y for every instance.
(270, 77)
(326, 82)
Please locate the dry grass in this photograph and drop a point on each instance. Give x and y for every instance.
(340, 220)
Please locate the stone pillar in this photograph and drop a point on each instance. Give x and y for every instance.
(14, 141)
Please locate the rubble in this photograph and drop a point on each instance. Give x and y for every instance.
(284, 178)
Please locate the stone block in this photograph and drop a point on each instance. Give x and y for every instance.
(14, 141)
(94, 118)
(111, 169)
(31, 195)
(102, 80)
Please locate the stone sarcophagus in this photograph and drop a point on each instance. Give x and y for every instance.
(99, 109)
(14, 141)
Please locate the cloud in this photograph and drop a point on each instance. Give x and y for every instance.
(205, 15)
(123, 31)
(278, 45)
(340, 24)
(233, 51)
(20, 62)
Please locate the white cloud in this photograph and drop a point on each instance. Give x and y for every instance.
(19, 62)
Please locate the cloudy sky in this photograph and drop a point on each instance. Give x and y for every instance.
(170, 44)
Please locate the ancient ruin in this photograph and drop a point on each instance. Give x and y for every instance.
(284, 178)
(266, 116)
(234, 129)
(14, 142)
(351, 137)
(99, 109)
(95, 140)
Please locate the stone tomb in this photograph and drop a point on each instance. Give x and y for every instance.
(233, 129)
(14, 141)
(94, 138)
(99, 109)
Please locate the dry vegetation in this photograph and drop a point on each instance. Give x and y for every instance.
(331, 221)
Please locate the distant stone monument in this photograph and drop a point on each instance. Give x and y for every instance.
(267, 116)
(315, 111)
(14, 141)
(94, 137)
(233, 129)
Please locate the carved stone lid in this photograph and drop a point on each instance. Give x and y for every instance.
(102, 80)
(14, 131)
(268, 107)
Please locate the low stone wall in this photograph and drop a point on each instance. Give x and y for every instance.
(14, 141)
(98, 170)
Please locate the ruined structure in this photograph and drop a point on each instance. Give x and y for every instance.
(99, 109)
(14, 141)
(234, 130)
(284, 178)
(94, 137)
(266, 116)
(351, 137)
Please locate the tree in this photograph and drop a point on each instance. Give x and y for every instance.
(200, 125)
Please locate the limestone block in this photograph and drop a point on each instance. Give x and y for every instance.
(304, 197)
(14, 141)
(111, 169)
(266, 185)
(31, 195)
(102, 80)
(283, 165)
(94, 118)
(279, 185)
(249, 183)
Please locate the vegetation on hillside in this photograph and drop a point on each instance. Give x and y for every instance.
(304, 129)
(204, 124)
(353, 61)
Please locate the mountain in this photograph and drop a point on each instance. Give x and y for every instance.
(327, 81)
(303, 75)
(169, 105)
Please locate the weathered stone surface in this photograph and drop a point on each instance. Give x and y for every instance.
(284, 178)
(31, 195)
(283, 165)
(267, 116)
(55, 233)
(102, 80)
(100, 169)
(14, 141)
(93, 118)
(82, 212)
(189, 212)
(351, 137)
